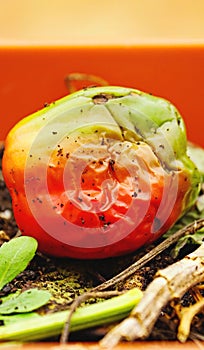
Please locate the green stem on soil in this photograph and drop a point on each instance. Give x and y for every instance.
(47, 326)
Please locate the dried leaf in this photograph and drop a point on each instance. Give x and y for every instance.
(186, 317)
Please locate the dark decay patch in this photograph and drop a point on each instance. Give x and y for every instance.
(101, 98)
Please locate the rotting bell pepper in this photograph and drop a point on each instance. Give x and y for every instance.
(100, 172)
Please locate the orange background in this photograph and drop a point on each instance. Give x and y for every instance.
(153, 45)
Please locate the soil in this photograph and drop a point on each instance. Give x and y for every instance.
(68, 278)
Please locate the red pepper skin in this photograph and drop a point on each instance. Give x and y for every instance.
(89, 187)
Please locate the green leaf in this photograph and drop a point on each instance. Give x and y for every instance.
(196, 213)
(27, 301)
(43, 327)
(196, 238)
(10, 296)
(15, 255)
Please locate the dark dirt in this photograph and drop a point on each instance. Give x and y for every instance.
(67, 278)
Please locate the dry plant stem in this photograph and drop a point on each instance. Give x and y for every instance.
(186, 317)
(169, 283)
(82, 298)
(189, 229)
(80, 77)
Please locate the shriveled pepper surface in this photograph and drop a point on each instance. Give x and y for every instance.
(100, 172)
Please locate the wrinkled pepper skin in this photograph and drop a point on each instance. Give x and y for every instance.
(99, 173)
